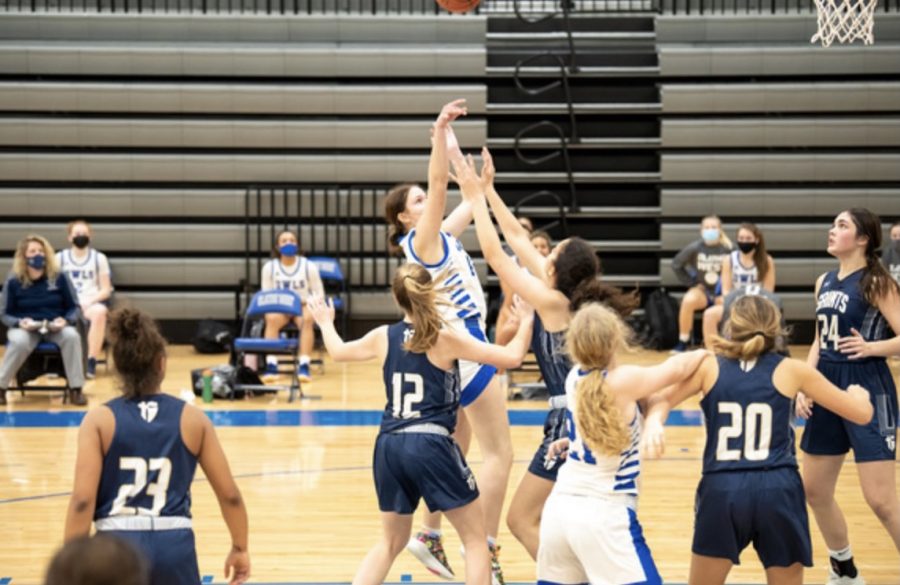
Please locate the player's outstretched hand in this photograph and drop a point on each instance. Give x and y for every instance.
(488, 171)
(466, 176)
(450, 112)
(320, 309)
(558, 449)
(237, 567)
(523, 312)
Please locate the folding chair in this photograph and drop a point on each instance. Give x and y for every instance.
(45, 359)
(335, 287)
(286, 302)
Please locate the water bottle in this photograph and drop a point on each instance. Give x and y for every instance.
(207, 386)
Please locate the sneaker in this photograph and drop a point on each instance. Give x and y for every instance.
(77, 398)
(496, 571)
(303, 373)
(91, 372)
(271, 370)
(430, 552)
(680, 347)
(835, 579)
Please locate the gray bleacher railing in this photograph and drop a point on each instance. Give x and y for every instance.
(566, 69)
(232, 6)
(323, 6)
(760, 7)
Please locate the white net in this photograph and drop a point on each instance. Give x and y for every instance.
(845, 21)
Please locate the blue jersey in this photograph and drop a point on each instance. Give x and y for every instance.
(418, 392)
(841, 306)
(148, 470)
(748, 422)
(553, 361)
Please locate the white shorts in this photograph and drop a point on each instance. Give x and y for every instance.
(592, 540)
(473, 377)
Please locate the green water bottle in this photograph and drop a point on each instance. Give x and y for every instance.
(207, 386)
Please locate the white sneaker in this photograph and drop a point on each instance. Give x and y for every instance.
(430, 552)
(835, 579)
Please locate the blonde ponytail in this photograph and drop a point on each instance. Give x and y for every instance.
(753, 329)
(415, 293)
(595, 334)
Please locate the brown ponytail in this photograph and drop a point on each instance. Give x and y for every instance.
(577, 271)
(137, 349)
(394, 205)
(415, 293)
(595, 334)
(877, 282)
(753, 329)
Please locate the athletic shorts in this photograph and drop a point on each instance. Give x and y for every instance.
(171, 554)
(763, 507)
(554, 429)
(413, 466)
(474, 377)
(593, 540)
(828, 434)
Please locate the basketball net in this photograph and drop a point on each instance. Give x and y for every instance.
(845, 21)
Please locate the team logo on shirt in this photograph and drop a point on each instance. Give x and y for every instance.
(149, 410)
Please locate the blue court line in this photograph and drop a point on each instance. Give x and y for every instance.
(293, 418)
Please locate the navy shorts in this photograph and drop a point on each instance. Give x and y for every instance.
(171, 554)
(410, 466)
(554, 429)
(828, 434)
(765, 507)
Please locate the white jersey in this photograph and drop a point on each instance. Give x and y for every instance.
(85, 274)
(586, 474)
(740, 275)
(302, 278)
(464, 293)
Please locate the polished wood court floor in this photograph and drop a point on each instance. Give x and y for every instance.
(313, 513)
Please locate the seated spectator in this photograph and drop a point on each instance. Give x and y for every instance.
(89, 271)
(891, 254)
(542, 242)
(40, 303)
(98, 560)
(749, 265)
(697, 267)
(289, 270)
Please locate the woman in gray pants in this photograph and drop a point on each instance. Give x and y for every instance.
(39, 303)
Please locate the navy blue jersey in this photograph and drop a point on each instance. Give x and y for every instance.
(748, 422)
(840, 307)
(417, 391)
(553, 361)
(148, 470)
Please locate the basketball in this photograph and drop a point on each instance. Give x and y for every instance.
(458, 6)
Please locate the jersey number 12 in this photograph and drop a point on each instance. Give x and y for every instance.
(403, 403)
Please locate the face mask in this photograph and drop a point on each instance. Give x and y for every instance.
(746, 247)
(288, 250)
(36, 262)
(710, 234)
(895, 245)
(81, 241)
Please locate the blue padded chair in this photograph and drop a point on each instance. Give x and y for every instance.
(286, 302)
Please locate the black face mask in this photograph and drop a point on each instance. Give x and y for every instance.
(81, 242)
(747, 247)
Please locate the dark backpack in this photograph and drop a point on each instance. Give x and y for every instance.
(661, 315)
(212, 337)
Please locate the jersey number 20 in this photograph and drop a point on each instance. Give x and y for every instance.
(156, 490)
(755, 424)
